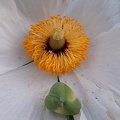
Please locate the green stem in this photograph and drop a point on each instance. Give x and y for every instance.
(70, 117)
(28, 63)
(58, 78)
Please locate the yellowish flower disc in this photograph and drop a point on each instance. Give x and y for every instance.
(57, 45)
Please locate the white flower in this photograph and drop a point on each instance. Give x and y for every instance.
(96, 82)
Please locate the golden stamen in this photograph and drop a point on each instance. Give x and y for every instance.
(57, 45)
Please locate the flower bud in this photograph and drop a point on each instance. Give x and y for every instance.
(61, 99)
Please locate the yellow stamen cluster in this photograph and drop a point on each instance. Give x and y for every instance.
(62, 61)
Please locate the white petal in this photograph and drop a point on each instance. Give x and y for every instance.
(53, 116)
(15, 19)
(41, 9)
(103, 67)
(97, 16)
(82, 116)
(97, 103)
(103, 63)
(22, 94)
(12, 32)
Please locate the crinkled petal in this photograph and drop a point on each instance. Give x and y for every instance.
(97, 16)
(102, 68)
(97, 103)
(22, 94)
(41, 9)
(103, 63)
(12, 32)
(15, 19)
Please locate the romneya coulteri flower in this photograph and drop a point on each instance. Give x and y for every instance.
(90, 66)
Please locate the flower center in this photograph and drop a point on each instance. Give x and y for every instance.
(57, 45)
(57, 40)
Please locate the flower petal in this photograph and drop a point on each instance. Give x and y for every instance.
(15, 19)
(41, 9)
(12, 31)
(103, 67)
(103, 63)
(98, 103)
(97, 16)
(22, 94)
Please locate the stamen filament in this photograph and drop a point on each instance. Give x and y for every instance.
(57, 45)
